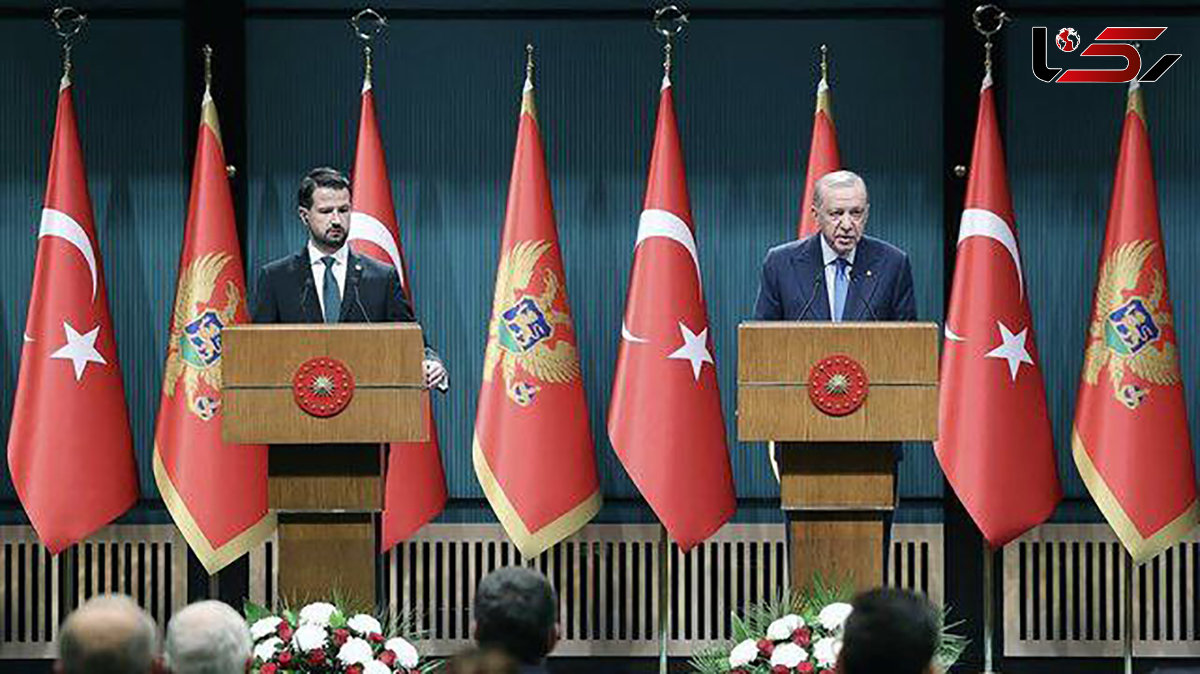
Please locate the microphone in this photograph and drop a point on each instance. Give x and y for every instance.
(867, 302)
(308, 283)
(358, 297)
(818, 282)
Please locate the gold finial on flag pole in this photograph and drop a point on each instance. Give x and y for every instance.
(207, 67)
(825, 62)
(68, 23)
(529, 63)
(989, 13)
(368, 25)
(669, 21)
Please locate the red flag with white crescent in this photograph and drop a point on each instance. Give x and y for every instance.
(823, 156)
(415, 485)
(215, 491)
(533, 449)
(994, 437)
(70, 452)
(1130, 439)
(665, 419)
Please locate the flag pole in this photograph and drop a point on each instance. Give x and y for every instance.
(664, 597)
(1127, 646)
(68, 23)
(367, 24)
(989, 607)
(995, 18)
(669, 22)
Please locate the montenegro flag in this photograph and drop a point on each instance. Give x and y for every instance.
(216, 492)
(533, 449)
(1130, 439)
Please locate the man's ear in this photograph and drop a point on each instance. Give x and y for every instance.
(158, 666)
(552, 641)
(474, 630)
(303, 213)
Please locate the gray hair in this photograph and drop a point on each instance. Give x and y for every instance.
(109, 634)
(207, 637)
(837, 179)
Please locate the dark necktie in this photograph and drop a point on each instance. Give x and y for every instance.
(330, 292)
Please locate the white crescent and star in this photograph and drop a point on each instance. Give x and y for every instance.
(984, 223)
(657, 223)
(80, 349)
(365, 227)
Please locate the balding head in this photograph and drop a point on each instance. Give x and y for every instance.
(208, 637)
(109, 634)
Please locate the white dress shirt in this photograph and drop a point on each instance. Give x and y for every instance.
(340, 259)
(829, 255)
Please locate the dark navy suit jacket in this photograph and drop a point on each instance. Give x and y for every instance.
(285, 292)
(793, 278)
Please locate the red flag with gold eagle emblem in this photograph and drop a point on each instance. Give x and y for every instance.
(215, 491)
(1130, 440)
(533, 449)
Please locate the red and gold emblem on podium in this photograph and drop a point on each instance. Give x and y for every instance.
(323, 386)
(837, 385)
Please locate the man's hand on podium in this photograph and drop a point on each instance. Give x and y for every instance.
(436, 376)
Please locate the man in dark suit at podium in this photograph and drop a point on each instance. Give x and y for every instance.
(326, 282)
(837, 274)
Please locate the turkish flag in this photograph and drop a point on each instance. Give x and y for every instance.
(994, 437)
(1131, 442)
(664, 419)
(69, 447)
(415, 485)
(215, 491)
(822, 156)
(533, 449)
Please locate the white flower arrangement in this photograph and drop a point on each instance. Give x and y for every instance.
(355, 652)
(317, 613)
(833, 616)
(783, 628)
(364, 624)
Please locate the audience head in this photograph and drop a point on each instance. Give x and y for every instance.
(516, 613)
(479, 661)
(109, 634)
(891, 631)
(208, 637)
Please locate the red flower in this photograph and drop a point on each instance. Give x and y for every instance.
(268, 668)
(285, 631)
(284, 658)
(780, 669)
(802, 637)
(387, 657)
(316, 657)
(738, 671)
(375, 638)
(354, 669)
(766, 647)
(806, 668)
(340, 637)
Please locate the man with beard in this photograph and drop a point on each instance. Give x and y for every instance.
(326, 282)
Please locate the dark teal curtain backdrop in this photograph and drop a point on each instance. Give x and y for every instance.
(447, 91)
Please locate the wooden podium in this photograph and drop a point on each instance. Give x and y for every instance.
(837, 473)
(325, 493)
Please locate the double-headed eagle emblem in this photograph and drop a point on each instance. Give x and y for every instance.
(523, 327)
(194, 350)
(1127, 331)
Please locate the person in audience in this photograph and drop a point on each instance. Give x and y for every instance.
(479, 661)
(208, 637)
(108, 634)
(516, 613)
(892, 631)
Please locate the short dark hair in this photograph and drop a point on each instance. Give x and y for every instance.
(515, 612)
(892, 631)
(320, 177)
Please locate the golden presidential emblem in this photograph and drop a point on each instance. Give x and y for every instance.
(1127, 333)
(523, 327)
(194, 349)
